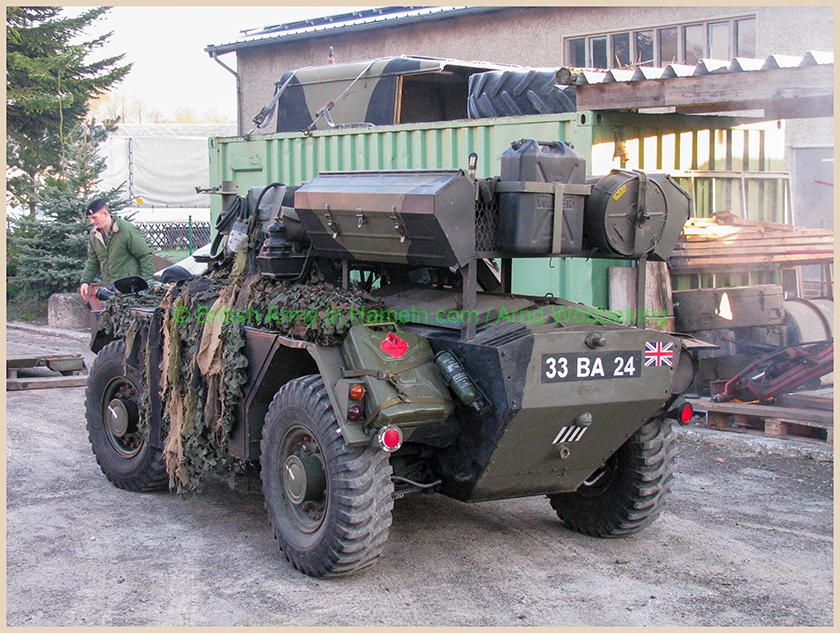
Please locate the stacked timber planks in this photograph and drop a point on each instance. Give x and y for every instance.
(727, 243)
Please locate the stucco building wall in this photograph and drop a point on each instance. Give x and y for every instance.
(527, 37)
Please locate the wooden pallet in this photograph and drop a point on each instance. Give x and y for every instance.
(771, 421)
(71, 368)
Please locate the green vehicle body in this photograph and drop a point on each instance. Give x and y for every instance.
(568, 398)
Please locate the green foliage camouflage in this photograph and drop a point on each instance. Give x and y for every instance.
(204, 368)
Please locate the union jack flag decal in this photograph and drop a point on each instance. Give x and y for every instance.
(659, 354)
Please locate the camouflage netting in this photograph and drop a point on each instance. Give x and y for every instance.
(204, 367)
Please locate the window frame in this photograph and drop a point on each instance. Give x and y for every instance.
(731, 21)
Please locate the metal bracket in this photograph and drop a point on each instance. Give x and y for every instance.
(332, 224)
(228, 187)
(641, 213)
(398, 227)
(469, 300)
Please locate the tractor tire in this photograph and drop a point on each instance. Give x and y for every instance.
(629, 491)
(518, 92)
(127, 459)
(329, 504)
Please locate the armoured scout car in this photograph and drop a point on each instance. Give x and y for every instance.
(356, 339)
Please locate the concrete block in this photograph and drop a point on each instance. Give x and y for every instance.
(67, 310)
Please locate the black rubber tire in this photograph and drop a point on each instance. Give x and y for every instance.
(352, 513)
(632, 488)
(518, 92)
(129, 461)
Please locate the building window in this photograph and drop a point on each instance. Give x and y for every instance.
(577, 53)
(719, 37)
(693, 39)
(681, 44)
(668, 45)
(598, 51)
(620, 49)
(745, 37)
(644, 48)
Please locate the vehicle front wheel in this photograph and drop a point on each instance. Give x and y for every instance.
(329, 504)
(629, 491)
(112, 409)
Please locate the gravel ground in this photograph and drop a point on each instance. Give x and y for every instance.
(746, 540)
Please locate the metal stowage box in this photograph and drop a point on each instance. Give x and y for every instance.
(526, 220)
(727, 308)
(405, 397)
(421, 218)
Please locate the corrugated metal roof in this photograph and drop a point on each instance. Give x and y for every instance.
(332, 20)
(346, 23)
(584, 77)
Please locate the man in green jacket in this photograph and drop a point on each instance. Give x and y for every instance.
(116, 249)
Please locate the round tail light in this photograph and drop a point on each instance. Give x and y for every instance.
(357, 391)
(389, 438)
(685, 414)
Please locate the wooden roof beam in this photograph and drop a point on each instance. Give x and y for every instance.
(807, 108)
(802, 92)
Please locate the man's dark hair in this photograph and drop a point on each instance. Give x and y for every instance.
(95, 206)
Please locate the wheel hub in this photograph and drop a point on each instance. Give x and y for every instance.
(117, 418)
(304, 479)
(121, 417)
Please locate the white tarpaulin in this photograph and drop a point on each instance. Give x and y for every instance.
(160, 164)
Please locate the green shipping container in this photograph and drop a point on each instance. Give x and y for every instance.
(708, 155)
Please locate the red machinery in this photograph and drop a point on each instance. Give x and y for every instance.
(780, 372)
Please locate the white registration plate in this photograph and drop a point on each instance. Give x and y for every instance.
(590, 366)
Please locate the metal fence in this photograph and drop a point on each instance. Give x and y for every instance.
(175, 240)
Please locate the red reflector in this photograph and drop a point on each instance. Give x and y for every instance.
(392, 438)
(686, 413)
(355, 413)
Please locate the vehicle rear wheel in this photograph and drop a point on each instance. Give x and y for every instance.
(112, 409)
(329, 504)
(629, 491)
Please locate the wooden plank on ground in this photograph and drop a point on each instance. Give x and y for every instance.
(806, 401)
(815, 417)
(45, 382)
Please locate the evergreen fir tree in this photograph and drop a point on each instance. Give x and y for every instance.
(49, 87)
(47, 255)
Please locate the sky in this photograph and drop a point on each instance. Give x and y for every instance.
(166, 45)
